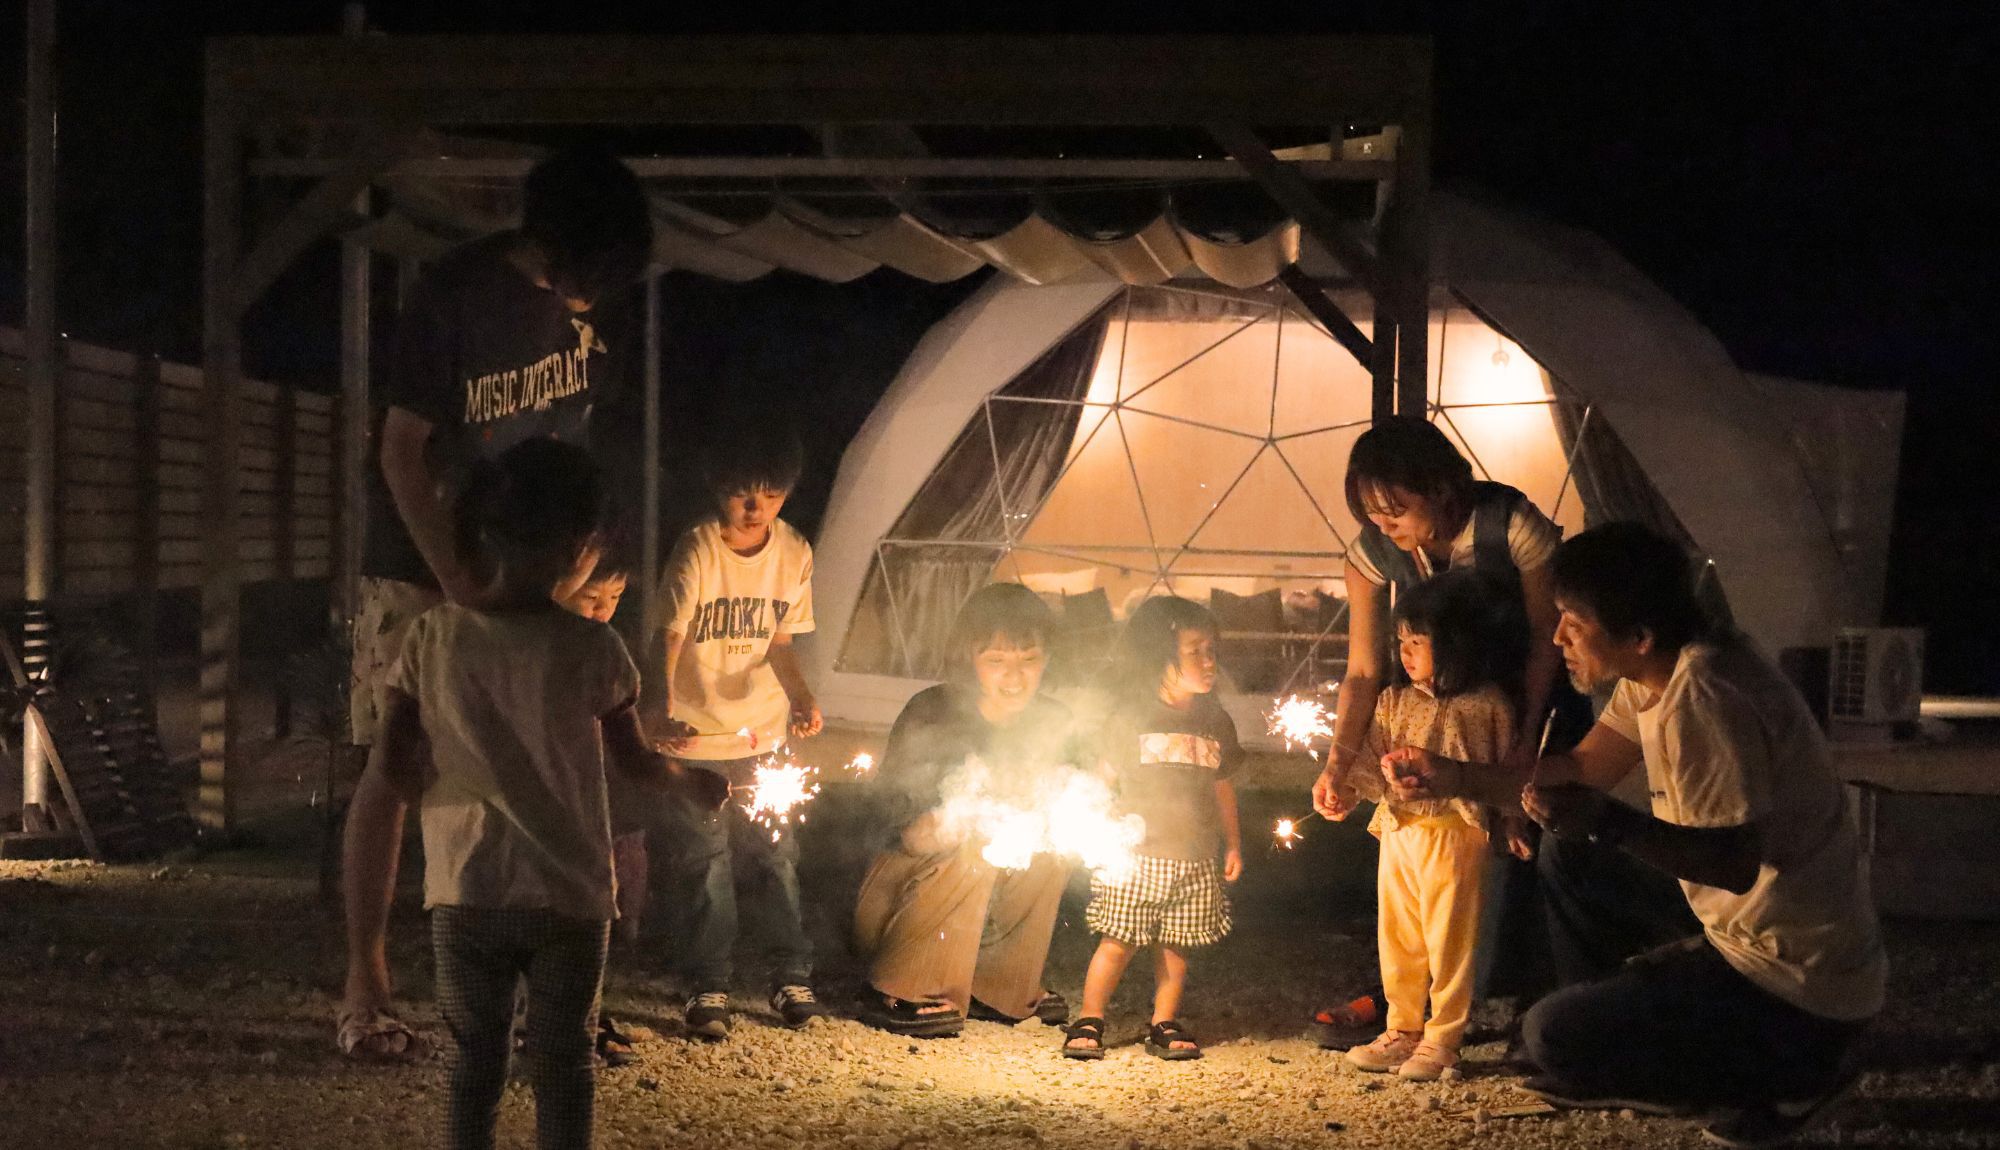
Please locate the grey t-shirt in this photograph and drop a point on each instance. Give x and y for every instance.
(517, 815)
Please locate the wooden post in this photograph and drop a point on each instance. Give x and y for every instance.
(39, 513)
(221, 586)
(1407, 277)
(284, 533)
(649, 467)
(351, 497)
(146, 511)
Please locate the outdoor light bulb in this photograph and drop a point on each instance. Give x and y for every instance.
(1500, 356)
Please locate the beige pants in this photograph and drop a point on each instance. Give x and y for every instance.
(951, 926)
(1429, 892)
(386, 610)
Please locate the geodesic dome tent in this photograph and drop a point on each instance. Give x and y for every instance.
(1101, 442)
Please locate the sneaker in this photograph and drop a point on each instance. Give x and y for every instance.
(708, 1015)
(1389, 1050)
(1428, 1062)
(1563, 1096)
(796, 1004)
(1771, 1123)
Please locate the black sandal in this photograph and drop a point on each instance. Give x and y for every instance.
(912, 1018)
(1160, 1042)
(1088, 1029)
(1052, 1009)
(614, 1046)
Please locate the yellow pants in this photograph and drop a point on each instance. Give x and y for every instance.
(1429, 894)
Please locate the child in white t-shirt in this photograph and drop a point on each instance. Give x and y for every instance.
(736, 590)
(520, 703)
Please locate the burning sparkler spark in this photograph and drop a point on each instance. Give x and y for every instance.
(778, 793)
(1074, 816)
(1287, 833)
(861, 764)
(1298, 721)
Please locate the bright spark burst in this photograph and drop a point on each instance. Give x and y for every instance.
(1298, 721)
(1287, 833)
(861, 764)
(1073, 815)
(779, 792)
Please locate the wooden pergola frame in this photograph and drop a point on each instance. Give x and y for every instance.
(395, 98)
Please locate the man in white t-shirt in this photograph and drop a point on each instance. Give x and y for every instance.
(1749, 1021)
(736, 590)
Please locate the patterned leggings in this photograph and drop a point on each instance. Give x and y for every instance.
(481, 955)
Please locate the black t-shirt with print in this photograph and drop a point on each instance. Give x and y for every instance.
(1168, 762)
(490, 360)
(941, 729)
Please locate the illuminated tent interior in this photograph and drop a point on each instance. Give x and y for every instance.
(1102, 441)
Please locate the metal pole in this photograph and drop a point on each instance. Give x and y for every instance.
(222, 574)
(649, 464)
(355, 259)
(40, 511)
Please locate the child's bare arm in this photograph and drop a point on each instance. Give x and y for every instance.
(784, 660)
(371, 847)
(626, 747)
(674, 734)
(1232, 832)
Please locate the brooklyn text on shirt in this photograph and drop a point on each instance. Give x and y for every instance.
(560, 374)
(737, 617)
(1179, 749)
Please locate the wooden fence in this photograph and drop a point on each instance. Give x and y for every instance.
(132, 441)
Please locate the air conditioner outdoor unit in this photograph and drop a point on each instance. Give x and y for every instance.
(1877, 675)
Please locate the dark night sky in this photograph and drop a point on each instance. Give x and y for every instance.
(1801, 182)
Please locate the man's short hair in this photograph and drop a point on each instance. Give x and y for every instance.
(588, 214)
(747, 454)
(1631, 578)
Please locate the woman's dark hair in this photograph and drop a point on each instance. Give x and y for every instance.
(533, 509)
(588, 214)
(1631, 578)
(1004, 610)
(1476, 639)
(748, 454)
(1152, 639)
(1411, 453)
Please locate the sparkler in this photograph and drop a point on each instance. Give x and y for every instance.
(780, 790)
(1286, 832)
(1073, 815)
(861, 764)
(1298, 721)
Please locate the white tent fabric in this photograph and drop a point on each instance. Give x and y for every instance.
(1797, 529)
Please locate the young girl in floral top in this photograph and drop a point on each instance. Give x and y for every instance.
(1434, 852)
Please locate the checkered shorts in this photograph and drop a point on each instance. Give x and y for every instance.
(1177, 902)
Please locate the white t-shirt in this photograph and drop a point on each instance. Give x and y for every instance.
(517, 815)
(727, 608)
(1731, 742)
(1531, 541)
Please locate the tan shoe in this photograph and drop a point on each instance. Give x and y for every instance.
(1428, 1062)
(1390, 1050)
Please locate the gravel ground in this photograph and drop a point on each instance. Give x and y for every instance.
(189, 1005)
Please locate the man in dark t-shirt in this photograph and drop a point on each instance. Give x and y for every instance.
(499, 343)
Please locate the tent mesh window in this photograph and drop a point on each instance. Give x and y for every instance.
(1194, 441)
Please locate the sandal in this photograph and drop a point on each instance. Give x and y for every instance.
(1160, 1042)
(1051, 1008)
(912, 1018)
(375, 1035)
(614, 1046)
(1350, 1024)
(1088, 1030)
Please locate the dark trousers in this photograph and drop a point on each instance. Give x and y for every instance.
(713, 871)
(1679, 1026)
(482, 954)
(1602, 906)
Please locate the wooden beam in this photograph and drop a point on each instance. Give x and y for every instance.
(1315, 300)
(843, 167)
(1027, 80)
(1292, 193)
(649, 465)
(330, 202)
(146, 474)
(221, 585)
(1406, 244)
(351, 501)
(39, 509)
